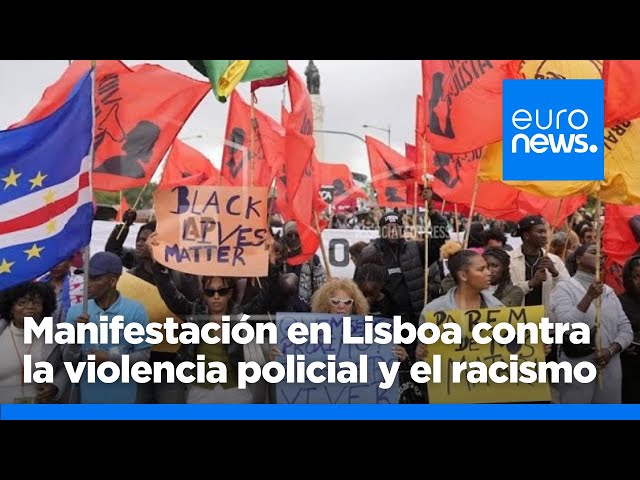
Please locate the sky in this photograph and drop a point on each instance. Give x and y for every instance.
(380, 93)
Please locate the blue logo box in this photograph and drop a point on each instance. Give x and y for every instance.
(553, 130)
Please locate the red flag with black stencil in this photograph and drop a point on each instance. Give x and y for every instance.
(139, 112)
(463, 102)
(338, 176)
(455, 177)
(392, 175)
(302, 187)
(268, 145)
(300, 176)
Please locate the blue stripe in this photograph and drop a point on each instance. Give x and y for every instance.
(320, 412)
(53, 146)
(75, 236)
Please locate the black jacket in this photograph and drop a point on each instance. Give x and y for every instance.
(198, 312)
(188, 284)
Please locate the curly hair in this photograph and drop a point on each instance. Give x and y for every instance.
(449, 248)
(31, 290)
(505, 259)
(320, 300)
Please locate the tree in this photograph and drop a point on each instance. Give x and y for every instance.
(113, 198)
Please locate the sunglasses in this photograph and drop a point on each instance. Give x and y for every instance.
(337, 301)
(223, 292)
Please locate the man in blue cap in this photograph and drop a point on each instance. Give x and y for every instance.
(105, 269)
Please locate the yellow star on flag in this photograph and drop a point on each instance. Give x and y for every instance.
(51, 226)
(37, 180)
(33, 251)
(49, 197)
(11, 180)
(5, 267)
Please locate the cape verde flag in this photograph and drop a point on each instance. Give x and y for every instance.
(46, 208)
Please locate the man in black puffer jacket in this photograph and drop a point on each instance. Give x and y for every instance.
(405, 262)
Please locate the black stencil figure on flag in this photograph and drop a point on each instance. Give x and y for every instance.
(447, 171)
(234, 163)
(338, 188)
(138, 148)
(440, 108)
(392, 195)
(391, 191)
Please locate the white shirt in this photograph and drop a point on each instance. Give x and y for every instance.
(12, 351)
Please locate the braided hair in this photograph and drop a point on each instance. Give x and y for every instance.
(503, 257)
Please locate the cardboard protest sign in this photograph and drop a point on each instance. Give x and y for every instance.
(336, 393)
(465, 392)
(205, 230)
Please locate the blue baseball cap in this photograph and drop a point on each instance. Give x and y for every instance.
(105, 262)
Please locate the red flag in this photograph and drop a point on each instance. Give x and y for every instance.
(301, 187)
(300, 118)
(187, 166)
(300, 174)
(139, 111)
(463, 102)
(410, 152)
(268, 145)
(619, 242)
(339, 176)
(124, 206)
(621, 97)
(392, 175)
(455, 179)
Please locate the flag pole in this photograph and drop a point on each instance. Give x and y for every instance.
(415, 206)
(252, 137)
(86, 253)
(552, 228)
(467, 231)
(598, 323)
(566, 242)
(427, 220)
(135, 205)
(322, 249)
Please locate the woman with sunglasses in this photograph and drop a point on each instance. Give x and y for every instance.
(340, 296)
(216, 301)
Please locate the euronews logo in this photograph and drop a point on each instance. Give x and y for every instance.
(553, 130)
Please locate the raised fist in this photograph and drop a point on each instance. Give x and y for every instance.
(129, 217)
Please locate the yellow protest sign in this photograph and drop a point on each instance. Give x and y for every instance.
(205, 230)
(148, 295)
(465, 391)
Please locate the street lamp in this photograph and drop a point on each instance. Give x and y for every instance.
(388, 130)
(190, 138)
(338, 132)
